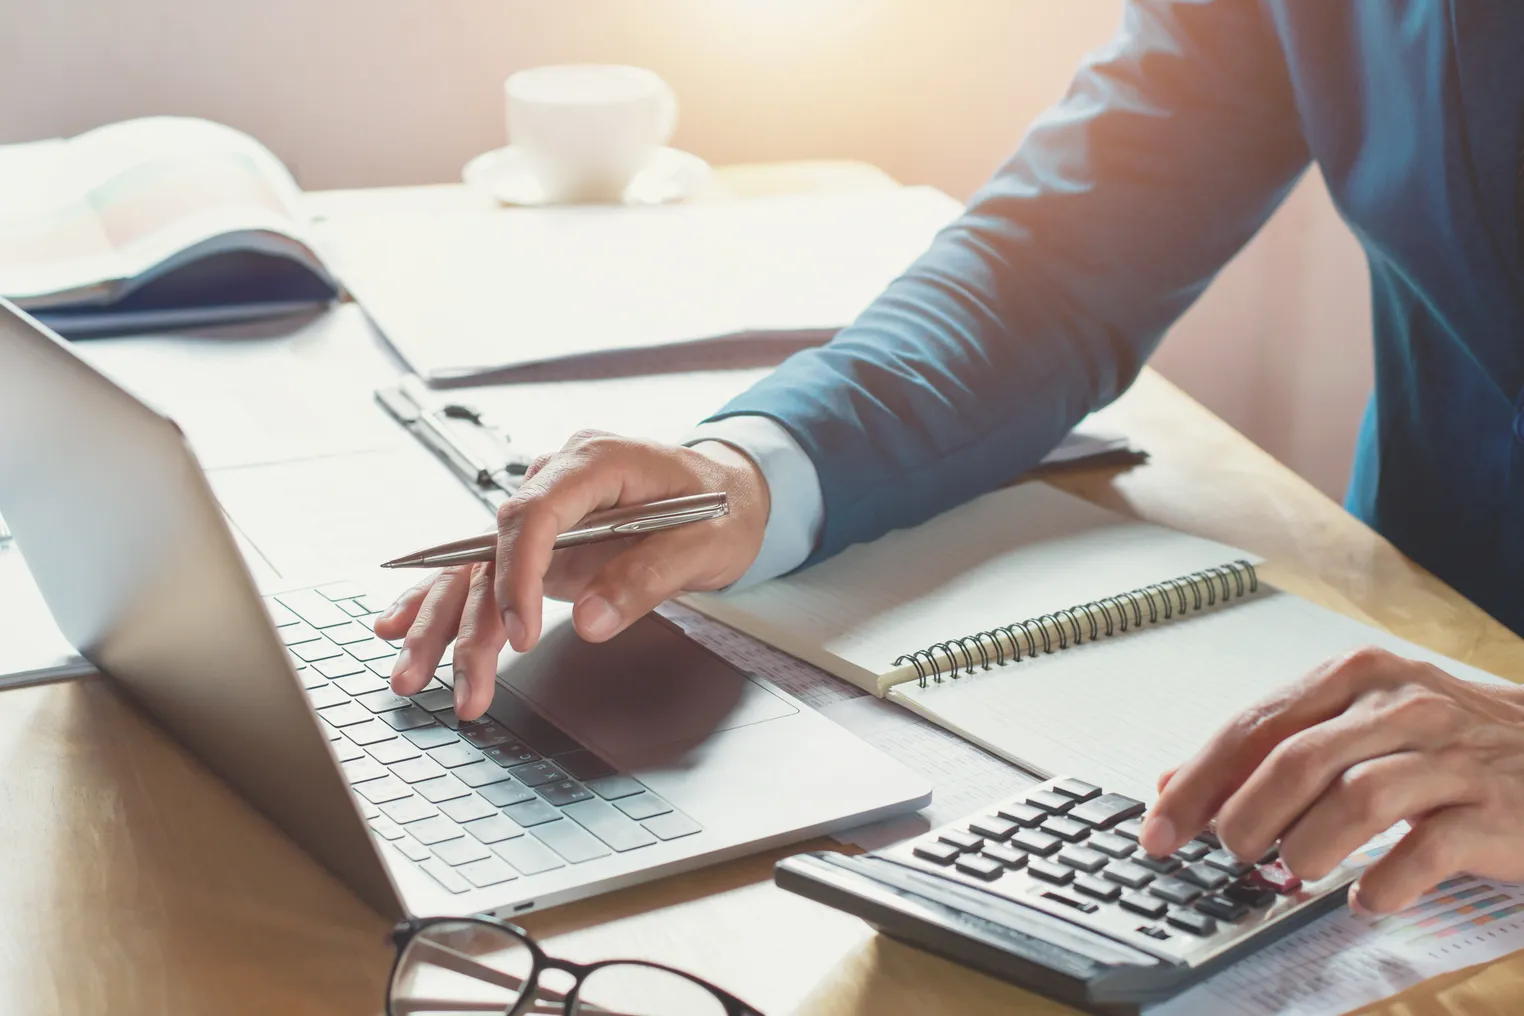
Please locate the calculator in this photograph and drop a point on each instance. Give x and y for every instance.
(1050, 890)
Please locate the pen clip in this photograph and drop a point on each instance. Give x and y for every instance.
(677, 518)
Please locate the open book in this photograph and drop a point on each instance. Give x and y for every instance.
(1054, 633)
(153, 223)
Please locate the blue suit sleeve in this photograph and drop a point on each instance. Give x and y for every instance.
(1172, 146)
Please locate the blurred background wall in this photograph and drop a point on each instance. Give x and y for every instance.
(366, 92)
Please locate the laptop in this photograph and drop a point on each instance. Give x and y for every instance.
(597, 767)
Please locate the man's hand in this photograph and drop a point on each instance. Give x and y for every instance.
(1345, 753)
(483, 606)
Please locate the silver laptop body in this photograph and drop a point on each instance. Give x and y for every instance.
(138, 565)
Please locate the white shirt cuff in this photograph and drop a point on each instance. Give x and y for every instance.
(798, 508)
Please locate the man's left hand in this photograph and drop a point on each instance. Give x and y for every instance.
(1359, 744)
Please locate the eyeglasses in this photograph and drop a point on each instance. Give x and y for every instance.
(454, 966)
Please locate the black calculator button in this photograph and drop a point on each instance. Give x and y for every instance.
(1077, 789)
(993, 827)
(1132, 828)
(1148, 906)
(1193, 851)
(1070, 901)
(1007, 856)
(1204, 875)
(1111, 843)
(1035, 841)
(936, 852)
(1024, 815)
(1066, 828)
(1153, 932)
(966, 842)
(1174, 891)
(1196, 924)
(1250, 894)
(980, 867)
(1058, 874)
(1048, 801)
(1098, 888)
(1082, 858)
(1106, 811)
(1225, 861)
(1133, 876)
(1222, 908)
(1163, 865)
(1270, 856)
(1209, 837)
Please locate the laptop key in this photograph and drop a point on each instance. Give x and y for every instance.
(368, 811)
(386, 828)
(443, 788)
(507, 793)
(612, 788)
(671, 826)
(340, 591)
(536, 773)
(382, 666)
(489, 871)
(412, 849)
(313, 609)
(393, 751)
(408, 809)
(416, 770)
(528, 855)
(564, 793)
(382, 700)
(436, 700)
(409, 717)
(363, 683)
(461, 851)
(297, 633)
(310, 678)
(346, 715)
(486, 733)
(495, 829)
(353, 608)
(571, 841)
(435, 830)
(531, 813)
(348, 633)
(338, 666)
(609, 824)
(480, 774)
(280, 614)
(346, 750)
(326, 695)
(369, 650)
(362, 769)
(456, 754)
(370, 732)
(643, 806)
(428, 738)
(445, 875)
(583, 765)
(311, 652)
(388, 788)
(468, 809)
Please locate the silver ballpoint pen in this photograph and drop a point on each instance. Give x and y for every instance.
(633, 520)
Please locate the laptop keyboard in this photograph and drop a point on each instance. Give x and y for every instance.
(473, 804)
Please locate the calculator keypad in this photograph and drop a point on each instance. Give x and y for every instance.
(1070, 848)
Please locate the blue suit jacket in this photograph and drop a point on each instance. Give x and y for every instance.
(1171, 148)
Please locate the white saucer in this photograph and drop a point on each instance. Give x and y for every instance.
(671, 175)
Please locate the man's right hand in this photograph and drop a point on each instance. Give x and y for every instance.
(482, 607)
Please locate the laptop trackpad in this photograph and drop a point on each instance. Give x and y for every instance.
(642, 700)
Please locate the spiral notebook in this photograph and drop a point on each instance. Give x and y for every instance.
(1054, 633)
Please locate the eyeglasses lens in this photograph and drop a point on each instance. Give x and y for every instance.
(456, 968)
(634, 989)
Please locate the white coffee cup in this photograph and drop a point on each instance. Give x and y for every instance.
(587, 129)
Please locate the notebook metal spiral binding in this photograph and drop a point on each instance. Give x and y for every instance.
(1086, 622)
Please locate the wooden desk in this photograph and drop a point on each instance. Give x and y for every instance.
(135, 883)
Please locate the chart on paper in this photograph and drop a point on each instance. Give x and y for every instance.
(1342, 961)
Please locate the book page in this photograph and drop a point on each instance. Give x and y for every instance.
(1121, 711)
(1011, 555)
(116, 202)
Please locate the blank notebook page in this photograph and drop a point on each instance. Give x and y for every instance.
(1121, 711)
(1008, 556)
